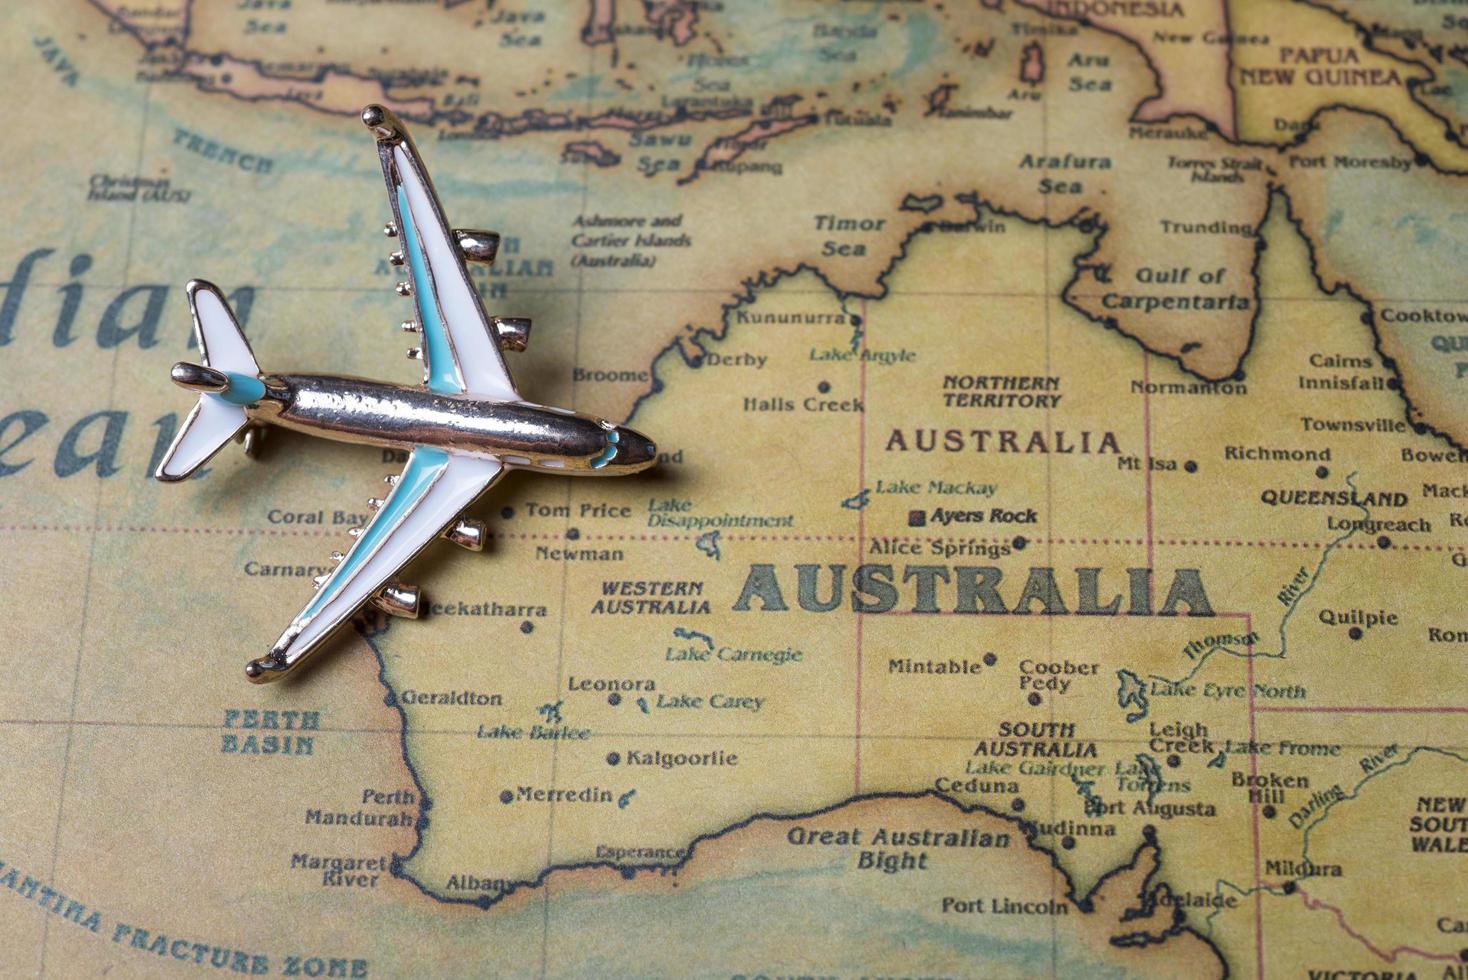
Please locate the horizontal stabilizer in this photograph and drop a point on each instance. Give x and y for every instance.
(222, 344)
(211, 424)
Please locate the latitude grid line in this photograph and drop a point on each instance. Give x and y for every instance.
(1218, 542)
(753, 736)
(81, 644)
(794, 291)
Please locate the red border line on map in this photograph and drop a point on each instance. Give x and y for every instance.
(861, 528)
(1388, 956)
(1345, 709)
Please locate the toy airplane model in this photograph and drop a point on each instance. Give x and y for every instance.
(463, 427)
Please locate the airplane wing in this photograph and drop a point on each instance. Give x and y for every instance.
(433, 488)
(460, 351)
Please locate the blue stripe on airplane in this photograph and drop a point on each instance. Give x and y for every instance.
(243, 389)
(423, 468)
(443, 377)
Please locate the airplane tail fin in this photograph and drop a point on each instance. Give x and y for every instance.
(228, 379)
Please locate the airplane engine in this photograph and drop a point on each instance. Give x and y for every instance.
(476, 245)
(397, 599)
(467, 533)
(512, 332)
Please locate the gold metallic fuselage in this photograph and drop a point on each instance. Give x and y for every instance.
(401, 417)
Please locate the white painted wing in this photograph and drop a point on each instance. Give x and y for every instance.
(461, 352)
(434, 487)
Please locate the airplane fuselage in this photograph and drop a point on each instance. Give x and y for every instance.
(402, 417)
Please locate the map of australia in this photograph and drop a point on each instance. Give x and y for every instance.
(1049, 567)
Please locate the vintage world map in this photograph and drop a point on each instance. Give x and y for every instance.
(1055, 565)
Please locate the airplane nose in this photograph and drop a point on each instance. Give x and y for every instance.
(634, 449)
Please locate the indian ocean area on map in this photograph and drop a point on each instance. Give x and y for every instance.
(1062, 413)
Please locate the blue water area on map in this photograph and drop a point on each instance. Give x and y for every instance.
(1404, 224)
(922, 42)
(806, 52)
(807, 913)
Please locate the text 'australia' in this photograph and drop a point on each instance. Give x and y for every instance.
(974, 589)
